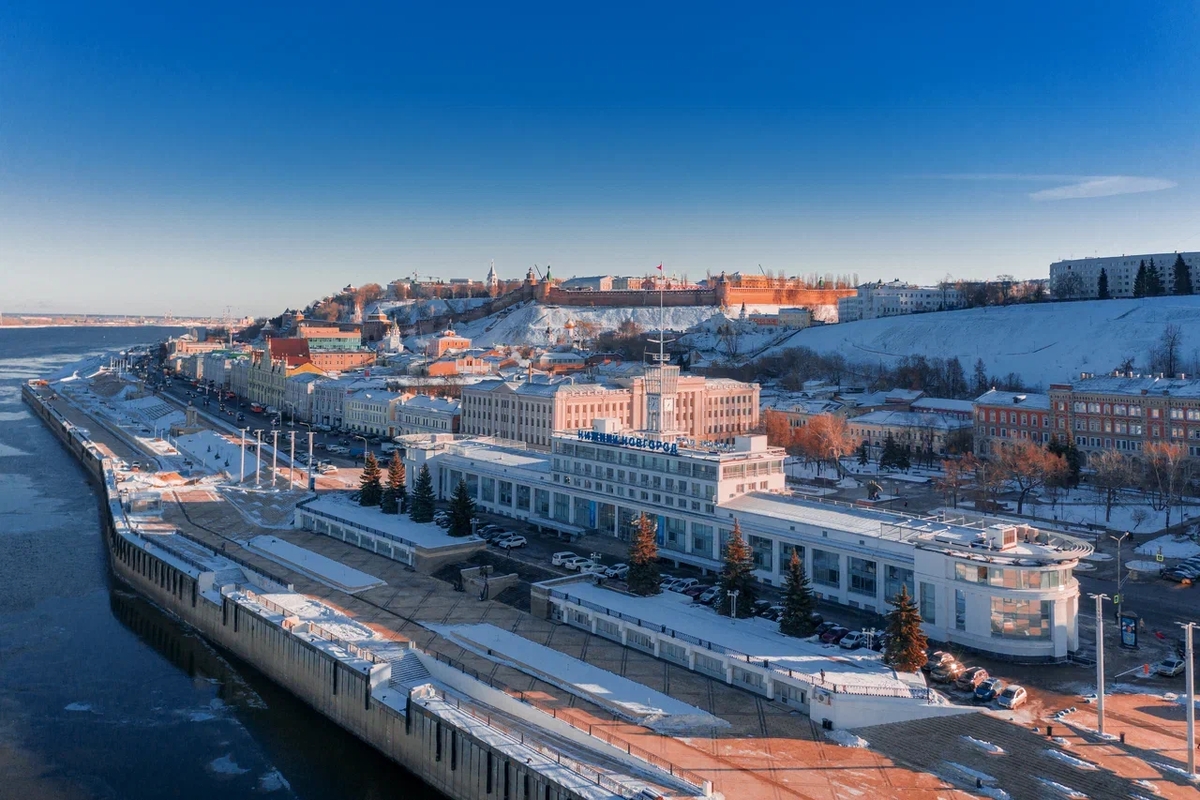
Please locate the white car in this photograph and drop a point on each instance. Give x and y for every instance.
(511, 542)
(577, 564)
(558, 558)
(326, 469)
(683, 584)
(667, 583)
(853, 639)
(593, 569)
(1012, 697)
(1170, 667)
(617, 571)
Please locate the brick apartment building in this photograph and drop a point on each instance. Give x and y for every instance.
(1003, 416)
(1125, 412)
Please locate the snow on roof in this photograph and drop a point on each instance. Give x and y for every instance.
(839, 517)
(499, 455)
(422, 534)
(755, 637)
(911, 419)
(1041, 402)
(427, 403)
(944, 403)
(1138, 385)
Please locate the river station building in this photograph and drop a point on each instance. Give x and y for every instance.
(996, 587)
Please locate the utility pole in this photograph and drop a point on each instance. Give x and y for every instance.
(243, 478)
(274, 455)
(1191, 698)
(292, 459)
(1099, 598)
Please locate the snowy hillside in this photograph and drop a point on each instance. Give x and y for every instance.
(1043, 343)
(536, 324)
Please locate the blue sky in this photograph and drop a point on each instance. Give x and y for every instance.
(160, 157)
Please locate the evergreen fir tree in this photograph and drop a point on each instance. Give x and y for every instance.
(1139, 280)
(979, 381)
(863, 456)
(1154, 282)
(393, 487)
(462, 510)
(737, 575)
(956, 378)
(798, 601)
(643, 577)
(904, 458)
(1102, 285)
(423, 501)
(889, 456)
(370, 490)
(1183, 276)
(906, 643)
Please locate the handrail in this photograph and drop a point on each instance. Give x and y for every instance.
(313, 627)
(373, 531)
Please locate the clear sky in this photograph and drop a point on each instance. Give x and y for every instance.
(188, 156)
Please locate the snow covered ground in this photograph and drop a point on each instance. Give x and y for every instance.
(424, 534)
(632, 700)
(1043, 342)
(1171, 546)
(536, 324)
(318, 566)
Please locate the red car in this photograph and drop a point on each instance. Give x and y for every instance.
(834, 635)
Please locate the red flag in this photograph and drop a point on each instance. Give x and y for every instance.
(659, 268)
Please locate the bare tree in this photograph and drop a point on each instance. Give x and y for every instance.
(1029, 466)
(730, 338)
(1166, 469)
(1112, 473)
(1168, 355)
(988, 480)
(956, 476)
(830, 439)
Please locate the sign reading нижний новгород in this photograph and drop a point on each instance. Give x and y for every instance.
(629, 441)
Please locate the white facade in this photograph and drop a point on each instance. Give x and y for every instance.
(859, 557)
(1120, 270)
(424, 414)
(875, 300)
(370, 411)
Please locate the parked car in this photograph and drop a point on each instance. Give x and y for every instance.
(710, 595)
(1170, 667)
(988, 690)
(1012, 696)
(558, 558)
(878, 642)
(681, 585)
(853, 639)
(697, 590)
(834, 635)
(593, 568)
(666, 582)
(824, 627)
(617, 571)
(577, 564)
(936, 658)
(326, 469)
(970, 678)
(947, 672)
(512, 541)
(760, 606)
(773, 613)
(490, 527)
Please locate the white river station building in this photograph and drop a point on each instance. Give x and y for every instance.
(1002, 588)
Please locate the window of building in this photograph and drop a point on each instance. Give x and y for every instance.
(827, 570)
(702, 539)
(541, 498)
(960, 610)
(1022, 619)
(894, 578)
(929, 603)
(489, 490)
(862, 576)
(523, 498)
(761, 553)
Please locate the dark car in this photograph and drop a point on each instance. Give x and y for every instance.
(824, 627)
(697, 590)
(1181, 573)
(989, 690)
(971, 678)
(834, 634)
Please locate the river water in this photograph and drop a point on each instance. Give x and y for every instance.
(102, 695)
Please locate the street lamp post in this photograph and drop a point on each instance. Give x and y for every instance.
(243, 478)
(1120, 582)
(257, 454)
(274, 455)
(365, 444)
(1191, 698)
(292, 458)
(1099, 598)
(733, 596)
(311, 483)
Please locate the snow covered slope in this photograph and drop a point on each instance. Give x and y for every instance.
(1043, 343)
(528, 323)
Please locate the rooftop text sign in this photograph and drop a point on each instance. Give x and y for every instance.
(629, 441)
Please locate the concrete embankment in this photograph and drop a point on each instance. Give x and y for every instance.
(387, 702)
